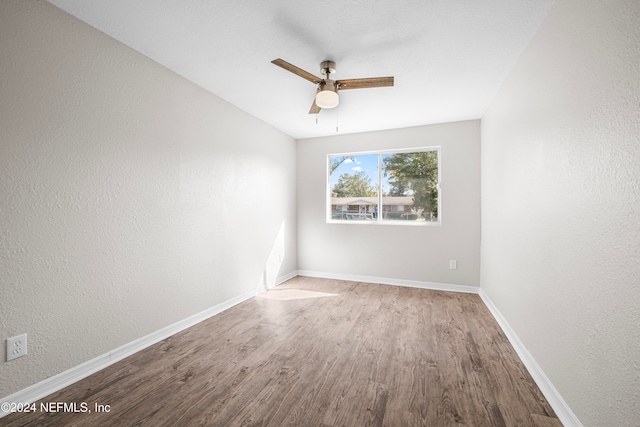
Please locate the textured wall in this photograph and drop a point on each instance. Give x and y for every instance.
(394, 251)
(561, 205)
(131, 198)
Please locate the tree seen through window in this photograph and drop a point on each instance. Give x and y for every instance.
(385, 186)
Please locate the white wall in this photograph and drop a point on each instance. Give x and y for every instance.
(393, 251)
(561, 205)
(131, 198)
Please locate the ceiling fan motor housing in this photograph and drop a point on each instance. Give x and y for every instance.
(327, 67)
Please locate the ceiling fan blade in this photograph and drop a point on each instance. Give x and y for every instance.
(297, 71)
(314, 108)
(365, 83)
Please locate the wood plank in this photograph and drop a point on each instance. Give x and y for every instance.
(366, 82)
(296, 70)
(538, 420)
(368, 355)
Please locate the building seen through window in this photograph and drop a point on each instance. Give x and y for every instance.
(385, 186)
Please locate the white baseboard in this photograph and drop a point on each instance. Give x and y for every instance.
(58, 382)
(395, 282)
(286, 277)
(562, 410)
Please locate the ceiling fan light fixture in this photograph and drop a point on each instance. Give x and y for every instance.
(327, 96)
(327, 99)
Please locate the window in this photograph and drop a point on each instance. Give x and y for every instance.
(400, 187)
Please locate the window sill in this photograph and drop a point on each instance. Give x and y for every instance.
(388, 222)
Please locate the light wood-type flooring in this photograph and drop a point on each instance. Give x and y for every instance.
(318, 352)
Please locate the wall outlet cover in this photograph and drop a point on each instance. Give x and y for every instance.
(16, 347)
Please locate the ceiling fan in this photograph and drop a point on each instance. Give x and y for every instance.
(327, 90)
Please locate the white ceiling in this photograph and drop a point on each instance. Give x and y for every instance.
(448, 57)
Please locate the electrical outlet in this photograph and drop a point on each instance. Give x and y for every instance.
(453, 264)
(16, 347)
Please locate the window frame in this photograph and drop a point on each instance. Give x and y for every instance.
(379, 220)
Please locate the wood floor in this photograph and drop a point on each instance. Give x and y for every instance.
(317, 352)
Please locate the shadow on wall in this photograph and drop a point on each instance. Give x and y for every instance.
(273, 263)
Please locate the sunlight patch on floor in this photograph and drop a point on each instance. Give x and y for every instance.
(291, 294)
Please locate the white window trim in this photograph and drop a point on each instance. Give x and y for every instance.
(379, 221)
